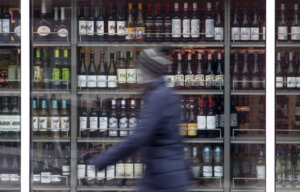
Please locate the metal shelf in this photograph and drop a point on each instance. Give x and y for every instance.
(49, 91)
(10, 91)
(51, 140)
(97, 188)
(287, 44)
(288, 92)
(248, 44)
(145, 44)
(248, 92)
(248, 140)
(10, 188)
(9, 140)
(287, 140)
(50, 44)
(248, 189)
(287, 190)
(50, 188)
(11, 44)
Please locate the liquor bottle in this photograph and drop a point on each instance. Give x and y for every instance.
(199, 76)
(110, 172)
(46, 174)
(122, 72)
(90, 169)
(112, 75)
(195, 23)
(186, 23)
(219, 78)
(100, 174)
(62, 28)
(291, 74)
(120, 173)
(149, 24)
(130, 31)
(113, 120)
(282, 29)
(123, 120)
(297, 63)
(189, 79)
(289, 172)
(17, 26)
(15, 116)
(81, 168)
(111, 24)
(129, 171)
(38, 70)
(120, 24)
(54, 119)
(192, 123)
(43, 28)
(219, 27)
(65, 71)
(132, 117)
(82, 74)
(218, 162)
(90, 24)
(211, 118)
(256, 84)
(56, 71)
(297, 173)
(261, 166)
(158, 24)
(167, 24)
(209, 76)
(209, 24)
(201, 120)
(99, 25)
(254, 30)
(245, 73)
(207, 161)
(82, 26)
(139, 24)
(195, 163)
(131, 71)
(176, 24)
(46, 70)
(44, 120)
(83, 120)
(93, 120)
(35, 118)
(295, 28)
(92, 76)
(103, 120)
(64, 119)
(179, 77)
(279, 73)
(235, 29)
(102, 73)
(245, 27)
(6, 25)
(169, 76)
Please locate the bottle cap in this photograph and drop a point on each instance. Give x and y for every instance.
(209, 56)
(194, 6)
(291, 56)
(189, 56)
(282, 6)
(208, 5)
(176, 6)
(140, 6)
(199, 56)
(296, 6)
(219, 55)
(201, 103)
(129, 6)
(185, 6)
(149, 6)
(179, 56)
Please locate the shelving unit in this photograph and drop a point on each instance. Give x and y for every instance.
(248, 44)
(51, 44)
(10, 44)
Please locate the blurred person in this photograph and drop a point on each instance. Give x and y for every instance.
(157, 134)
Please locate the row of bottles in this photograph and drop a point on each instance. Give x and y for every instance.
(125, 172)
(51, 69)
(50, 118)
(51, 164)
(165, 25)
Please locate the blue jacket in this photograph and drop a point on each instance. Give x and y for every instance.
(157, 137)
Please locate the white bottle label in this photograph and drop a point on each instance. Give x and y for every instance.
(282, 33)
(82, 27)
(209, 80)
(254, 33)
(65, 123)
(219, 33)
(43, 123)
(54, 124)
(55, 178)
(132, 122)
(295, 33)
(36, 178)
(264, 32)
(93, 123)
(298, 82)
(196, 171)
(121, 28)
(233, 119)
(43, 31)
(207, 171)
(123, 124)
(112, 81)
(189, 80)
(209, 28)
(101, 81)
(113, 123)
(169, 79)
(5, 25)
(82, 81)
(83, 123)
(46, 177)
(14, 177)
(103, 122)
(199, 80)
(176, 28)
(91, 171)
(81, 171)
(218, 171)
(291, 82)
(195, 28)
(201, 122)
(235, 33)
(110, 172)
(219, 81)
(15, 123)
(122, 75)
(100, 28)
(139, 76)
(101, 175)
(129, 170)
(279, 82)
(63, 33)
(245, 33)
(91, 81)
(186, 27)
(138, 170)
(4, 177)
(179, 80)
(111, 28)
(260, 172)
(66, 170)
(131, 75)
(17, 31)
(211, 122)
(221, 120)
(120, 170)
(35, 123)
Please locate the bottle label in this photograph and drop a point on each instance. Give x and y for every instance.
(282, 33)
(35, 123)
(92, 81)
(255, 82)
(43, 31)
(186, 27)
(279, 82)
(209, 28)
(298, 82)
(55, 178)
(121, 28)
(192, 129)
(189, 80)
(11, 73)
(209, 80)
(158, 27)
(245, 33)
(221, 120)
(17, 31)
(101, 81)
(217, 120)
(121, 75)
(81, 171)
(54, 124)
(43, 123)
(110, 172)
(291, 82)
(128, 170)
(207, 171)
(66, 170)
(260, 172)
(93, 123)
(179, 80)
(129, 33)
(15, 123)
(295, 33)
(176, 28)
(101, 175)
(55, 76)
(36, 178)
(103, 122)
(82, 80)
(65, 124)
(63, 33)
(254, 33)
(196, 171)
(149, 24)
(91, 171)
(6, 123)
(113, 123)
(120, 170)
(264, 33)
(46, 177)
(111, 81)
(167, 28)
(211, 122)
(183, 127)
(219, 81)
(5, 25)
(100, 28)
(199, 81)
(288, 180)
(138, 170)
(14, 177)
(218, 171)
(132, 122)
(279, 179)
(123, 125)
(233, 119)
(4, 177)
(245, 82)
(111, 28)
(37, 73)
(65, 75)
(201, 122)
(139, 33)
(82, 27)
(219, 33)
(169, 79)
(195, 28)
(235, 33)
(82, 123)
(131, 75)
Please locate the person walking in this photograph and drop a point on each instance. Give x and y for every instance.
(157, 134)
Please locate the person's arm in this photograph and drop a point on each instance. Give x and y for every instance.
(149, 119)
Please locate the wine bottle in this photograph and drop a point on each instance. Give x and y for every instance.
(186, 23)
(112, 75)
(102, 73)
(100, 25)
(82, 74)
(54, 119)
(46, 70)
(291, 75)
(218, 162)
(122, 72)
(132, 117)
(56, 70)
(199, 76)
(254, 30)
(297, 63)
(245, 74)
(219, 78)
(131, 71)
(211, 119)
(282, 29)
(189, 79)
(192, 123)
(201, 120)
(46, 174)
(176, 24)
(93, 120)
(245, 27)
(123, 120)
(129, 172)
(64, 120)
(82, 26)
(195, 164)
(103, 120)
(90, 24)
(6, 25)
(209, 24)
(256, 84)
(139, 24)
(92, 76)
(209, 76)
(149, 24)
(295, 28)
(38, 70)
(81, 168)
(219, 27)
(113, 120)
(43, 28)
(235, 29)
(83, 120)
(158, 24)
(169, 76)
(236, 74)
(35, 117)
(130, 33)
(195, 23)
(110, 172)
(179, 77)
(17, 26)
(44, 120)
(100, 174)
(111, 24)
(62, 28)
(15, 118)
(207, 161)
(90, 169)
(66, 71)
(120, 24)
(167, 24)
